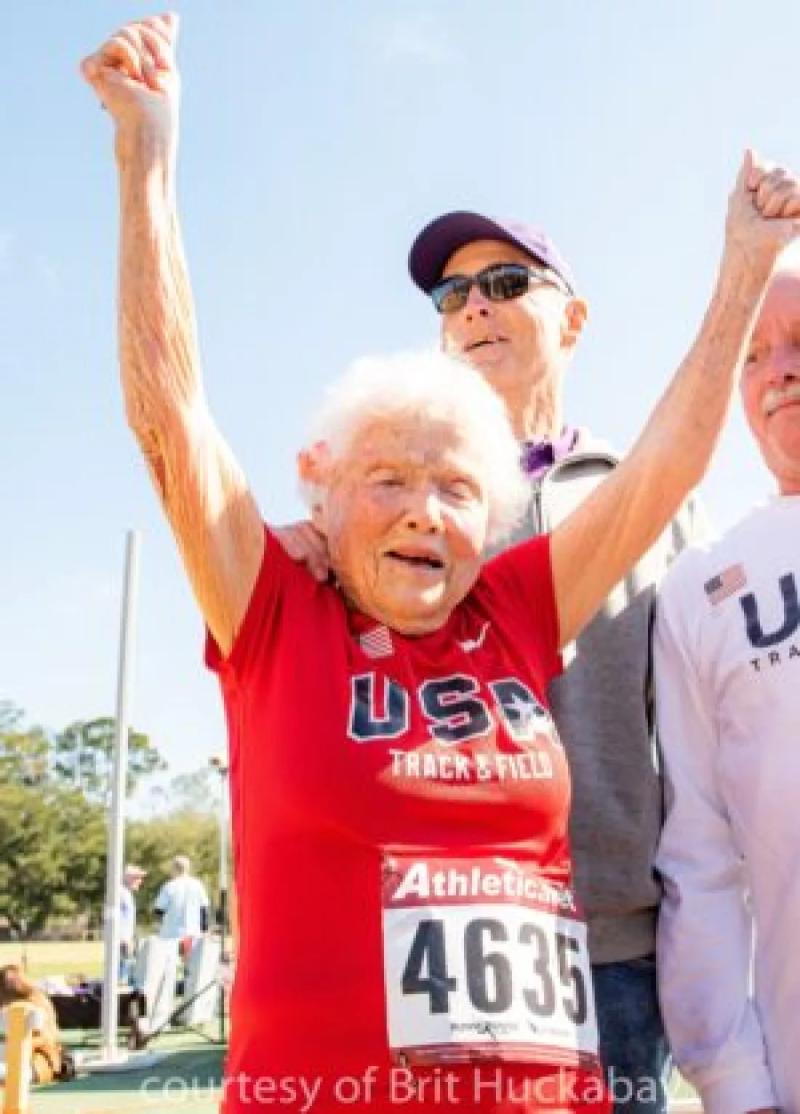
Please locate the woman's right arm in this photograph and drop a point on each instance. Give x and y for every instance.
(202, 489)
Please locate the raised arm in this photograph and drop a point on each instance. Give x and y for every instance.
(204, 493)
(596, 546)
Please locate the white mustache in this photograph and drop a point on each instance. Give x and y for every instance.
(776, 396)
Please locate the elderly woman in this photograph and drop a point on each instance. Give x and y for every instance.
(408, 934)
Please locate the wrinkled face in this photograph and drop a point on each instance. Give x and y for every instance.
(514, 344)
(406, 516)
(770, 384)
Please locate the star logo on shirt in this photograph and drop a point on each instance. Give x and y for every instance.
(527, 716)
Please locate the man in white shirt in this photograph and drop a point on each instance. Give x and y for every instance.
(728, 699)
(182, 903)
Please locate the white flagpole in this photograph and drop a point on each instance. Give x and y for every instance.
(116, 822)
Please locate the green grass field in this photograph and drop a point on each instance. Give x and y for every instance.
(57, 957)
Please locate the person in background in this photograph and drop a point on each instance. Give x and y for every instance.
(182, 906)
(132, 878)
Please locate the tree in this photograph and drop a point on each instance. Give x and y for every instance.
(83, 754)
(52, 854)
(24, 751)
(53, 815)
(79, 757)
(197, 791)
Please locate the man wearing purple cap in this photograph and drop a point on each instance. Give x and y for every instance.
(508, 304)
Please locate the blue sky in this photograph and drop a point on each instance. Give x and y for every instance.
(317, 138)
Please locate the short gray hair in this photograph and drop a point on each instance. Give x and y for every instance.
(438, 387)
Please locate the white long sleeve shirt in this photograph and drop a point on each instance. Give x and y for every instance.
(727, 657)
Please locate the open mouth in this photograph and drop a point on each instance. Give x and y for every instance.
(784, 404)
(778, 400)
(487, 342)
(419, 560)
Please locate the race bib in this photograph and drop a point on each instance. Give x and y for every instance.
(484, 960)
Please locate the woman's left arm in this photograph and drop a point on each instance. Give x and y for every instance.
(593, 549)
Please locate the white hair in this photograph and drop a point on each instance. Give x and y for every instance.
(437, 387)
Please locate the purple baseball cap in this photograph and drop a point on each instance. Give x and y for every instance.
(438, 240)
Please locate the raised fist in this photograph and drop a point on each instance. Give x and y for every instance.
(764, 211)
(135, 76)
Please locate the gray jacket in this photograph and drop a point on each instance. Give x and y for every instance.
(603, 708)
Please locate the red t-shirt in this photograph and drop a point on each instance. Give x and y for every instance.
(374, 777)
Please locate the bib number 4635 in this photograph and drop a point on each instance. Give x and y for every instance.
(479, 974)
(554, 980)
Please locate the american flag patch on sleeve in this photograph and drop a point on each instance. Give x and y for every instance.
(725, 583)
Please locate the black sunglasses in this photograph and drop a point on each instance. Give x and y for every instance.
(499, 283)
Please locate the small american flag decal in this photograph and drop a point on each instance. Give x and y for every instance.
(376, 643)
(724, 584)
